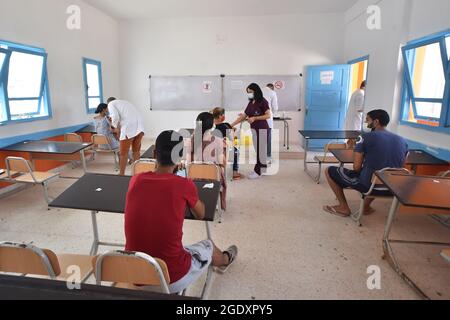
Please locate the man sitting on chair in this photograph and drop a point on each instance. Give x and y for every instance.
(374, 151)
(154, 216)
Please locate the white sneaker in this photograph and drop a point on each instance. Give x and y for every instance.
(254, 176)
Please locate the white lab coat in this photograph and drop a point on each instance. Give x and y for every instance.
(355, 111)
(127, 116)
(272, 97)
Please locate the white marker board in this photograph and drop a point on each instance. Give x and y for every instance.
(288, 89)
(185, 92)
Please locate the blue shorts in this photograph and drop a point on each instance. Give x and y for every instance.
(349, 179)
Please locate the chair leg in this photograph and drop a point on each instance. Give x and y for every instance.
(116, 163)
(46, 196)
(319, 175)
(358, 215)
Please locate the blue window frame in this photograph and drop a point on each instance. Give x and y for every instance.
(426, 87)
(93, 84)
(24, 90)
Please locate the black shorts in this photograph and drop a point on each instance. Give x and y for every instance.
(348, 179)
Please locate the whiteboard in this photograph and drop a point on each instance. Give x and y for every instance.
(288, 90)
(185, 92)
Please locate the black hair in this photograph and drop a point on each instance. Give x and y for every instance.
(101, 107)
(381, 115)
(363, 84)
(271, 86)
(259, 96)
(164, 148)
(205, 121)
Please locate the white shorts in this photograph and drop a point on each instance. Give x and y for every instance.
(201, 253)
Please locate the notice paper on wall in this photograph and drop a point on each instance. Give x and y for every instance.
(326, 77)
(207, 87)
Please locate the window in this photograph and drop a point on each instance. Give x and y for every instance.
(426, 92)
(24, 93)
(92, 71)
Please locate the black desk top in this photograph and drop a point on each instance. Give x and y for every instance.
(149, 154)
(418, 191)
(107, 193)
(282, 119)
(21, 288)
(323, 135)
(415, 157)
(51, 147)
(88, 129)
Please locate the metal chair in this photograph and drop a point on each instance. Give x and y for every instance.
(326, 158)
(101, 144)
(125, 269)
(73, 137)
(18, 170)
(143, 166)
(374, 193)
(26, 259)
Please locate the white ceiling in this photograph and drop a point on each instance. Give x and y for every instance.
(155, 9)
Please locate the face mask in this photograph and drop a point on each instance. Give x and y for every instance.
(251, 96)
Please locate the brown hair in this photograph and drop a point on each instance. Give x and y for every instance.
(218, 112)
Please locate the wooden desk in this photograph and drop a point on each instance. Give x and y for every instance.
(427, 193)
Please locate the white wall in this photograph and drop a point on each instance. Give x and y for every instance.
(256, 45)
(402, 21)
(43, 24)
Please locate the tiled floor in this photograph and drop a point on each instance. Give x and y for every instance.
(289, 248)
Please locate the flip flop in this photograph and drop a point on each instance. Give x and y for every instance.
(333, 211)
(232, 253)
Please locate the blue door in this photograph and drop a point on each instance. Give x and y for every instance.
(326, 100)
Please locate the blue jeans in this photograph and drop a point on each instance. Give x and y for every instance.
(236, 160)
(269, 143)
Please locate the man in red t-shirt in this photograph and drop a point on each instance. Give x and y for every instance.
(154, 217)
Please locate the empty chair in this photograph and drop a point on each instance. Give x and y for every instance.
(101, 144)
(143, 166)
(377, 191)
(26, 259)
(326, 158)
(18, 170)
(203, 171)
(125, 269)
(73, 137)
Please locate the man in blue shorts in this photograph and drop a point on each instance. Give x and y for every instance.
(374, 151)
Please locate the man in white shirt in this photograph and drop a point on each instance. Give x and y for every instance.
(355, 110)
(272, 98)
(126, 119)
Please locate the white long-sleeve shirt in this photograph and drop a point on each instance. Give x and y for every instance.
(127, 117)
(355, 111)
(272, 97)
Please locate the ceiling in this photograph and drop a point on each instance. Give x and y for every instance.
(156, 9)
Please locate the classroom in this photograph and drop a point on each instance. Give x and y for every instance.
(248, 150)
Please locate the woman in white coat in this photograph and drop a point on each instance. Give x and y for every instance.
(354, 120)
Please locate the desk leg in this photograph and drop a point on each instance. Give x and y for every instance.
(83, 160)
(389, 253)
(288, 134)
(210, 274)
(306, 154)
(96, 242)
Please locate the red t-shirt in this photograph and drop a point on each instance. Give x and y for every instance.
(154, 217)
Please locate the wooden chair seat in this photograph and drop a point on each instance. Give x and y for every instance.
(446, 255)
(327, 159)
(84, 262)
(41, 177)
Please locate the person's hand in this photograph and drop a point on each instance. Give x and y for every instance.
(251, 120)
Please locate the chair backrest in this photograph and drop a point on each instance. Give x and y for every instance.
(131, 268)
(143, 166)
(203, 171)
(377, 182)
(335, 146)
(18, 164)
(28, 259)
(73, 137)
(100, 140)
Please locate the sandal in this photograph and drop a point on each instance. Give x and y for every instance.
(232, 253)
(333, 211)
